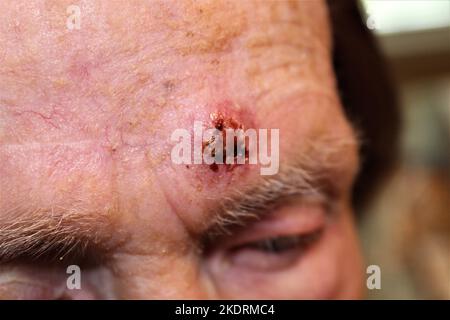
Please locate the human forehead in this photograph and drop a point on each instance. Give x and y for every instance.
(118, 86)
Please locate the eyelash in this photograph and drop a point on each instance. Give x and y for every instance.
(282, 244)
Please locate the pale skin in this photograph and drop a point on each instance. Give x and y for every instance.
(85, 122)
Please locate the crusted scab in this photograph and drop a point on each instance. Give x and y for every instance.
(221, 123)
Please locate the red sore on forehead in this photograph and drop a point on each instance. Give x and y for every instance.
(230, 115)
(221, 122)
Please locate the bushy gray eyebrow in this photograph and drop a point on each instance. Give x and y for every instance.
(59, 232)
(55, 234)
(311, 176)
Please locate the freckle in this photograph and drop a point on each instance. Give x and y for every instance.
(187, 166)
(59, 83)
(169, 85)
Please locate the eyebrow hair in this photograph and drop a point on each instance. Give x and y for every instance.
(74, 233)
(311, 176)
(52, 235)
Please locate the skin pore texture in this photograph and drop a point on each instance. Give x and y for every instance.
(86, 176)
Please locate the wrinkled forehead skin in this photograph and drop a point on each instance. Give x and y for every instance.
(86, 114)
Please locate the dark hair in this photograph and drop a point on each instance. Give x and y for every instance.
(367, 94)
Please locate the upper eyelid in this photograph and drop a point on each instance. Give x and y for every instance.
(298, 240)
(255, 204)
(295, 223)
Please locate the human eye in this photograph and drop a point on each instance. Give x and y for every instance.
(274, 253)
(275, 242)
(43, 280)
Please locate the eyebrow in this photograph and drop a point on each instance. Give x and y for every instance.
(56, 234)
(312, 176)
(72, 234)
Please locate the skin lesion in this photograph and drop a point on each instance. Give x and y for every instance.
(222, 123)
(135, 72)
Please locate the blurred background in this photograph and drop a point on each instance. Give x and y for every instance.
(406, 230)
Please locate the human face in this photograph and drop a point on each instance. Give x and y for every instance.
(86, 117)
